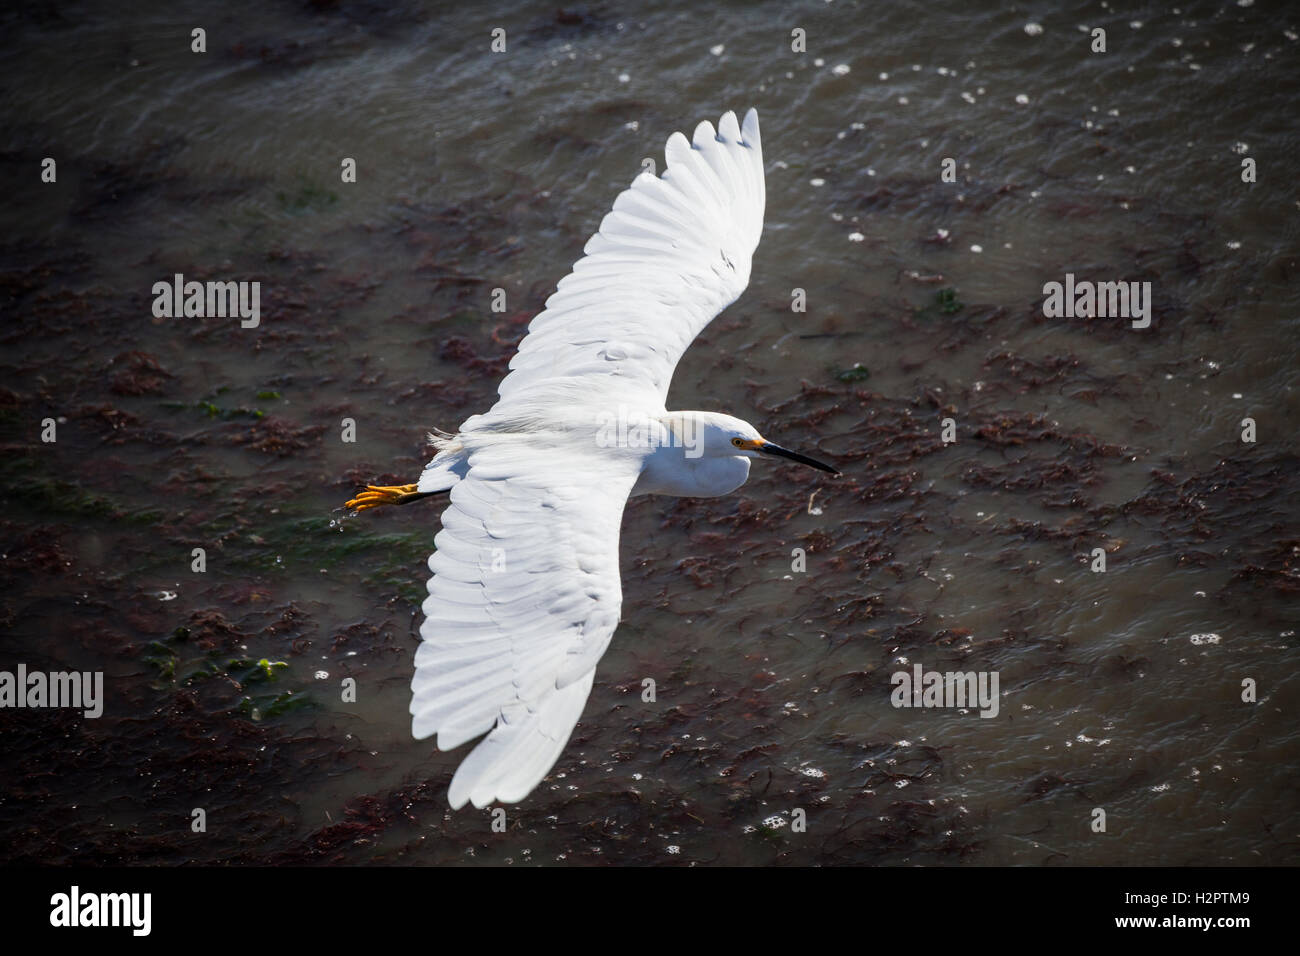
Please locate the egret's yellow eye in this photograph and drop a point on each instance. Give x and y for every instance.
(738, 442)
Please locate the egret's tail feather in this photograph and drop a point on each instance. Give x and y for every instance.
(441, 440)
(520, 750)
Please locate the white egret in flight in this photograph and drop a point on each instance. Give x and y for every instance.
(525, 593)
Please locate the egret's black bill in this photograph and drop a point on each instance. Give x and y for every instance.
(769, 449)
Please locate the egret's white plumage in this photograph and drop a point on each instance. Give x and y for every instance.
(525, 593)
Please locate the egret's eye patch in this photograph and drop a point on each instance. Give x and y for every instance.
(738, 442)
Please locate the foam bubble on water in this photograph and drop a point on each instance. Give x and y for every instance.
(1033, 29)
(1199, 639)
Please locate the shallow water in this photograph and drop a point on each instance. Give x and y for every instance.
(479, 171)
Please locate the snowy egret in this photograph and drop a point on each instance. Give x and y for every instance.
(525, 593)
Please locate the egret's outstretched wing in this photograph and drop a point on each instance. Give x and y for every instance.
(524, 598)
(674, 252)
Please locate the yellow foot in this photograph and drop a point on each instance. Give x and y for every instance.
(376, 495)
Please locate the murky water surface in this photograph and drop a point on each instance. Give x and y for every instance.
(1119, 690)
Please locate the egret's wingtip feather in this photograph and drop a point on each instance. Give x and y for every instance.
(675, 143)
(729, 128)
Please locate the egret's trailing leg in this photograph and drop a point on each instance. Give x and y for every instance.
(376, 495)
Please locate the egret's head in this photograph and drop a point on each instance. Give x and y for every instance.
(724, 435)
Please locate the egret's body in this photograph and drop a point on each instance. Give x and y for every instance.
(525, 593)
